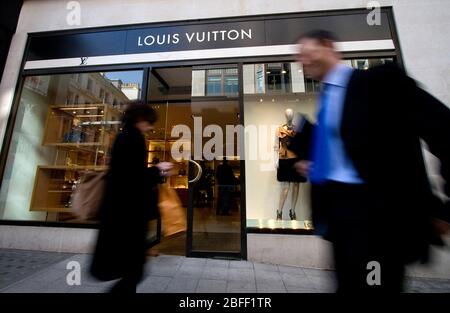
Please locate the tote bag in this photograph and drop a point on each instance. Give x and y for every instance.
(173, 215)
(88, 195)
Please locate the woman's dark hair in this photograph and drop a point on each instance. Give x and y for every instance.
(137, 111)
(321, 35)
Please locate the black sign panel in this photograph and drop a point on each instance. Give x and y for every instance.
(349, 27)
(77, 45)
(195, 37)
(265, 31)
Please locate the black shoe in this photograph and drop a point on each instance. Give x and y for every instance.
(279, 215)
(292, 215)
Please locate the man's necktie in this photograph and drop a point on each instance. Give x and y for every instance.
(320, 153)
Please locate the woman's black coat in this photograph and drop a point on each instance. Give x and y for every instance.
(130, 200)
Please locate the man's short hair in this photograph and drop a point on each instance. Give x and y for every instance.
(321, 35)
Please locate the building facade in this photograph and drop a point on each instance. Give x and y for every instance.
(225, 74)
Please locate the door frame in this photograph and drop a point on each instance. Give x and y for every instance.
(189, 216)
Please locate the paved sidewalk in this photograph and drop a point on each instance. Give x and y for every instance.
(193, 275)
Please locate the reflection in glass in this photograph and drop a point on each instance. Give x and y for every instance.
(65, 125)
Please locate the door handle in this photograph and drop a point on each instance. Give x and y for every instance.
(199, 174)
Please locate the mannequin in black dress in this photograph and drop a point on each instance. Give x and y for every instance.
(284, 162)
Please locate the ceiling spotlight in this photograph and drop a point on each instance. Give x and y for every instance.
(283, 72)
(268, 72)
(273, 100)
(261, 100)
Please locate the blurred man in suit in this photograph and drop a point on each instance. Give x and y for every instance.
(370, 192)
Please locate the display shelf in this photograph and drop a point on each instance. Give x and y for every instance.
(54, 210)
(74, 167)
(81, 124)
(59, 191)
(75, 144)
(54, 186)
(82, 137)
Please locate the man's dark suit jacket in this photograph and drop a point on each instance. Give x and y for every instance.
(384, 117)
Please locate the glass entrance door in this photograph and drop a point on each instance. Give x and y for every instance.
(215, 197)
(198, 129)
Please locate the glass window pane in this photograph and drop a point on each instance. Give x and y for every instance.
(64, 126)
(271, 89)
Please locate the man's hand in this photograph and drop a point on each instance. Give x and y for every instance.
(303, 167)
(441, 227)
(165, 168)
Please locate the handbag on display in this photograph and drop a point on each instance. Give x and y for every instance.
(173, 215)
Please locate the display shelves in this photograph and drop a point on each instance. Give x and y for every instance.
(81, 137)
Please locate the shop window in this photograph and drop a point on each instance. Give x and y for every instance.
(279, 199)
(364, 64)
(55, 139)
(274, 78)
(214, 83)
(222, 82)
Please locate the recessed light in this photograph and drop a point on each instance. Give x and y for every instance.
(268, 72)
(261, 100)
(283, 71)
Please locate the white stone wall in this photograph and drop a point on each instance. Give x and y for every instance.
(53, 239)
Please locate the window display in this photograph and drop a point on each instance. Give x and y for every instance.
(276, 96)
(64, 127)
(280, 197)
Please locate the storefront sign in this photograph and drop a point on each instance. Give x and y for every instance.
(264, 31)
(196, 37)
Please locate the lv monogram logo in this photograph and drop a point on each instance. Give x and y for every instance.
(83, 60)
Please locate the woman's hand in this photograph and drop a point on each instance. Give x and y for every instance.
(165, 168)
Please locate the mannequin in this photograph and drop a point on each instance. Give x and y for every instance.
(284, 162)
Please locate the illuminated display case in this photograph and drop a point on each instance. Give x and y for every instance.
(82, 137)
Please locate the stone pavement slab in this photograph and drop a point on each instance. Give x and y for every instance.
(164, 274)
